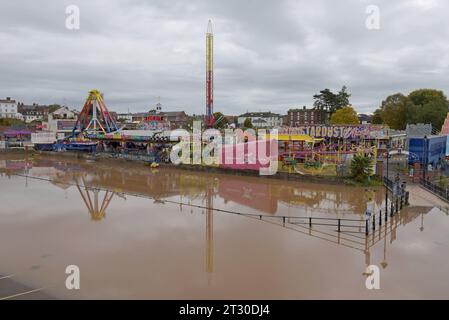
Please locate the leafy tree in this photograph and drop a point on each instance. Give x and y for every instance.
(394, 110)
(377, 117)
(361, 168)
(346, 115)
(11, 122)
(247, 123)
(327, 101)
(424, 96)
(221, 121)
(420, 106)
(430, 106)
(342, 98)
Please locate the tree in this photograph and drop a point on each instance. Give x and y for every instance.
(377, 117)
(361, 168)
(221, 121)
(420, 106)
(346, 115)
(342, 98)
(247, 123)
(430, 106)
(327, 101)
(11, 122)
(394, 110)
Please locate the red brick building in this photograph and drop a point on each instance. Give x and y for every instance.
(304, 116)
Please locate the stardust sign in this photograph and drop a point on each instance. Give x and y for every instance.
(344, 132)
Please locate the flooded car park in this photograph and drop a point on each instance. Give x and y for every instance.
(136, 232)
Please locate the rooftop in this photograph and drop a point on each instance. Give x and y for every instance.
(260, 114)
(7, 100)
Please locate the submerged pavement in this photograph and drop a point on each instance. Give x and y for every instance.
(13, 290)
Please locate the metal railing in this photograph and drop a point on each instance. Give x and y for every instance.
(399, 194)
(443, 193)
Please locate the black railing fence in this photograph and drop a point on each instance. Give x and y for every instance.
(443, 193)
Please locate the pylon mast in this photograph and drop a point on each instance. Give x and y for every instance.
(209, 76)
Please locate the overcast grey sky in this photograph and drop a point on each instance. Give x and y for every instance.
(269, 55)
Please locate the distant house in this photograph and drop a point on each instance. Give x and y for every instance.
(139, 117)
(61, 121)
(177, 119)
(365, 118)
(63, 113)
(285, 120)
(33, 112)
(8, 109)
(304, 116)
(125, 117)
(261, 119)
(259, 123)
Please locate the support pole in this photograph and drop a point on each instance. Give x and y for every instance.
(392, 209)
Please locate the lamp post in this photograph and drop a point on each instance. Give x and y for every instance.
(386, 181)
(424, 158)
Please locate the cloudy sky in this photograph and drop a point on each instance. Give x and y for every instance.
(269, 55)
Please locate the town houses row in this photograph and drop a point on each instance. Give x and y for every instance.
(31, 113)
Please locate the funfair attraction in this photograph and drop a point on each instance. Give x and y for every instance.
(307, 149)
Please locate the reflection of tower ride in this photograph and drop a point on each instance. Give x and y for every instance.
(209, 231)
(91, 197)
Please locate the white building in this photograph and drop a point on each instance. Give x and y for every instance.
(33, 112)
(61, 121)
(8, 109)
(63, 113)
(61, 127)
(126, 117)
(261, 119)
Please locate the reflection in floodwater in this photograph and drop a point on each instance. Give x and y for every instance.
(209, 232)
(97, 185)
(260, 195)
(97, 212)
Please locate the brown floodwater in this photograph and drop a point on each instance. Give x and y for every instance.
(140, 233)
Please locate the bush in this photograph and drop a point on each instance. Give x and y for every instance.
(8, 122)
(309, 164)
(361, 168)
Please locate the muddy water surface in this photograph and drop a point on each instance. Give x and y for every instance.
(141, 233)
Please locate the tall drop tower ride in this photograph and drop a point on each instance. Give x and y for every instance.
(209, 121)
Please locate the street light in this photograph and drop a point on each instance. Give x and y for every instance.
(424, 158)
(386, 181)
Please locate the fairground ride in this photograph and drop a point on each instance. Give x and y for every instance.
(95, 115)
